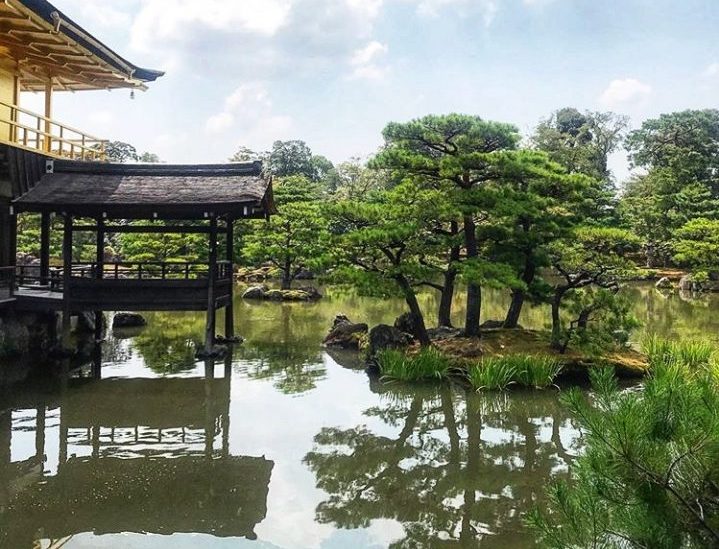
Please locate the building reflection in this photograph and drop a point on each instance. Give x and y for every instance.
(129, 455)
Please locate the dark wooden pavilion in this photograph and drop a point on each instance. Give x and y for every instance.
(140, 198)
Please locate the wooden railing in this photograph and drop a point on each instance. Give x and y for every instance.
(152, 270)
(7, 282)
(37, 132)
(30, 276)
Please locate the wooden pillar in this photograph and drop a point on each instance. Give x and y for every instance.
(67, 271)
(229, 310)
(100, 249)
(48, 114)
(12, 251)
(209, 408)
(45, 248)
(40, 432)
(211, 278)
(99, 271)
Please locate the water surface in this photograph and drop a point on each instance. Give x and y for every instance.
(283, 444)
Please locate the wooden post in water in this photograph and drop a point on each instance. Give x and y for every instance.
(99, 271)
(67, 271)
(229, 310)
(45, 248)
(211, 278)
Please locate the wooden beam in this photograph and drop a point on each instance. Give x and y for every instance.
(100, 249)
(67, 266)
(48, 114)
(45, 249)
(211, 313)
(170, 229)
(230, 256)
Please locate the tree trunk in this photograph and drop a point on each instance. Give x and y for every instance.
(474, 290)
(556, 320)
(411, 299)
(518, 296)
(515, 309)
(450, 276)
(447, 295)
(287, 275)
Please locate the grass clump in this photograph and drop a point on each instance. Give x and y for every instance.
(692, 353)
(427, 364)
(492, 374)
(498, 373)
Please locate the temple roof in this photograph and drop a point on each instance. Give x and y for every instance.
(47, 43)
(145, 191)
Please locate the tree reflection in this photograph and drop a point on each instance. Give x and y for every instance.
(282, 344)
(461, 467)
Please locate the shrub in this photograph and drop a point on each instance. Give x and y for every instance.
(427, 364)
(649, 475)
(498, 373)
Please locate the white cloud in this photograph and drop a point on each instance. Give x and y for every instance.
(626, 92)
(487, 8)
(367, 54)
(248, 112)
(274, 38)
(711, 71)
(365, 61)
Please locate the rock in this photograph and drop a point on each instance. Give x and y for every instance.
(305, 274)
(443, 332)
(255, 292)
(341, 319)
(345, 334)
(492, 325)
(312, 292)
(664, 283)
(128, 320)
(384, 336)
(686, 283)
(86, 322)
(406, 323)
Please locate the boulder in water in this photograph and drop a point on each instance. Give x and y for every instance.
(384, 336)
(345, 334)
(255, 292)
(664, 283)
(128, 320)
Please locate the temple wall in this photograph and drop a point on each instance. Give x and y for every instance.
(8, 94)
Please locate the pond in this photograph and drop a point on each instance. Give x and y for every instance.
(284, 444)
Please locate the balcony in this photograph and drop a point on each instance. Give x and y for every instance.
(23, 128)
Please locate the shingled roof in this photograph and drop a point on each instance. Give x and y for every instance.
(143, 191)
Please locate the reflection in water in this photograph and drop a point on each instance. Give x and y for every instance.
(134, 455)
(459, 467)
(161, 452)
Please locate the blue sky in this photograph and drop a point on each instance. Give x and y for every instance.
(334, 72)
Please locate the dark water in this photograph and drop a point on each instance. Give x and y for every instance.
(282, 444)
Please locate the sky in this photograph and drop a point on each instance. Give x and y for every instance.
(334, 72)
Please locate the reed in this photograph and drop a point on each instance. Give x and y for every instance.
(427, 364)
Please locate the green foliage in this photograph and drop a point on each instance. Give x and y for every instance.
(118, 151)
(162, 246)
(498, 373)
(696, 244)
(582, 143)
(427, 364)
(680, 152)
(649, 474)
(293, 240)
